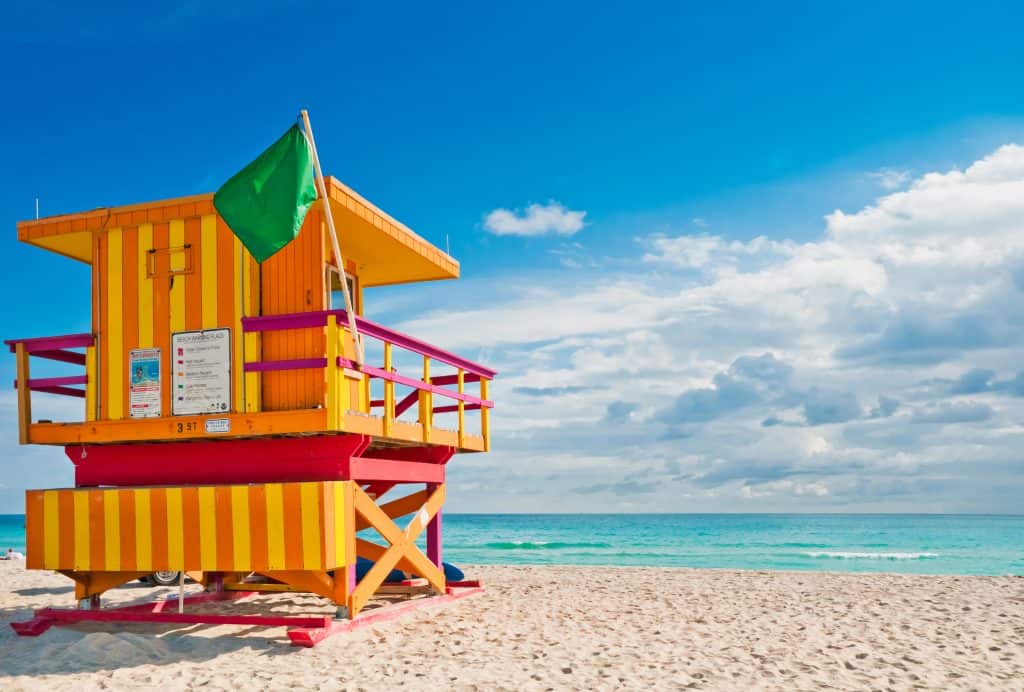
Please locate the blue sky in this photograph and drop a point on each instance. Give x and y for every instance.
(728, 258)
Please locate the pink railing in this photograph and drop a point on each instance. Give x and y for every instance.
(423, 389)
(55, 348)
(51, 348)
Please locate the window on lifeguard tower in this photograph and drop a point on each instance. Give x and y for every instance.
(335, 298)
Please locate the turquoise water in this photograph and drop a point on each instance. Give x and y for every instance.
(925, 544)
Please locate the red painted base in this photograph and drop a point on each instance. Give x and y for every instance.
(303, 631)
(275, 460)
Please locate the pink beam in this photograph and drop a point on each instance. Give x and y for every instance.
(434, 534)
(49, 343)
(415, 384)
(63, 391)
(454, 379)
(294, 364)
(439, 380)
(308, 637)
(452, 409)
(303, 320)
(39, 382)
(62, 356)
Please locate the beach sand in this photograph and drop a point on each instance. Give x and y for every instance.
(565, 628)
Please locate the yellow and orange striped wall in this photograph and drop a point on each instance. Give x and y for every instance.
(226, 528)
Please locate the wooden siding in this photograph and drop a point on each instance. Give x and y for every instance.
(155, 279)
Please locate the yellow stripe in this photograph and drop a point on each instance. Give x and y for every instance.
(115, 334)
(340, 558)
(251, 341)
(177, 241)
(111, 530)
(208, 266)
(175, 524)
(252, 379)
(275, 526)
(143, 530)
(51, 530)
(145, 287)
(207, 529)
(240, 524)
(92, 387)
(81, 530)
(236, 342)
(310, 526)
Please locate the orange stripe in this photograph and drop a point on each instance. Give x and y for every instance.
(225, 531)
(190, 516)
(162, 311)
(34, 529)
(129, 310)
(66, 512)
(292, 526)
(126, 519)
(258, 527)
(101, 308)
(193, 285)
(158, 520)
(97, 529)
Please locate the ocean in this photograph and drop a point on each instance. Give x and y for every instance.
(920, 544)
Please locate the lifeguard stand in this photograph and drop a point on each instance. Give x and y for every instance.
(226, 429)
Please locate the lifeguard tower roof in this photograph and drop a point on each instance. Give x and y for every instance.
(383, 250)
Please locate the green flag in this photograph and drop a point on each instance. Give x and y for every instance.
(265, 203)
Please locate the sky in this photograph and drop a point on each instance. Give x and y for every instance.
(728, 258)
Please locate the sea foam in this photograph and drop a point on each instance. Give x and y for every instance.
(846, 555)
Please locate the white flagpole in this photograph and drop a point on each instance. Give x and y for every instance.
(334, 240)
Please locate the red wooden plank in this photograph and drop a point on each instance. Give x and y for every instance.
(366, 469)
(217, 461)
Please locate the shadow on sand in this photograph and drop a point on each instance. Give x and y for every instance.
(91, 647)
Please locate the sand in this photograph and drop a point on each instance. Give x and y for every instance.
(565, 628)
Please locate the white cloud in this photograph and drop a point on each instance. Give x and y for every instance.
(890, 178)
(922, 286)
(697, 251)
(535, 220)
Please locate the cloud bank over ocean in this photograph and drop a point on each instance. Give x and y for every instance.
(876, 367)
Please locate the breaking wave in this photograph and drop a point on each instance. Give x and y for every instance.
(843, 555)
(542, 545)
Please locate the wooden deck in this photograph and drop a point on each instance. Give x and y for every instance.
(247, 426)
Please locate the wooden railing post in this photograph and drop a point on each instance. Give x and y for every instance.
(462, 409)
(389, 393)
(24, 394)
(485, 415)
(426, 402)
(332, 400)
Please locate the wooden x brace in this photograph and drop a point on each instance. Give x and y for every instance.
(402, 551)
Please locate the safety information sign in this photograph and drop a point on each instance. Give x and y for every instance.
(202, 372)
(144, 383)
